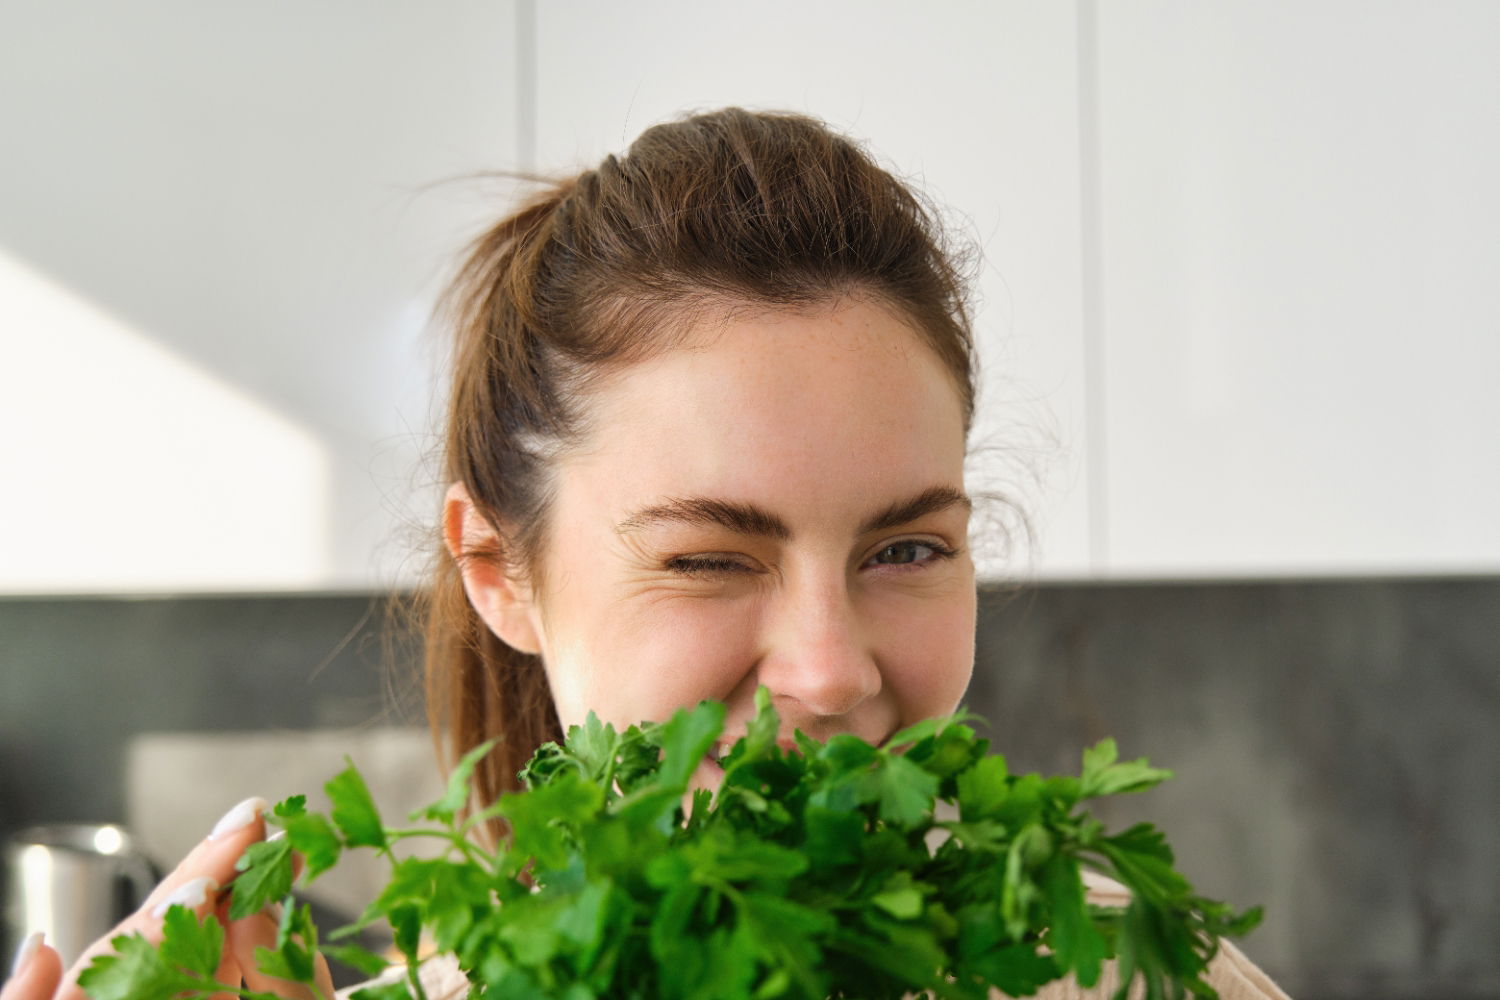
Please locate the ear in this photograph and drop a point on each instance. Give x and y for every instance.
(503, 601)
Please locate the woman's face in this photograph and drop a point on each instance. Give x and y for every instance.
(778, 502)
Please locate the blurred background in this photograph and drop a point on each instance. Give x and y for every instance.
(1240, 336)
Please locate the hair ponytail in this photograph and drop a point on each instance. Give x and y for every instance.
(478, 687)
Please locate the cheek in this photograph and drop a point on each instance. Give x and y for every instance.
(926, 650)
(644, 659)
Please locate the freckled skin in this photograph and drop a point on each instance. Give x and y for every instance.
(821, 418)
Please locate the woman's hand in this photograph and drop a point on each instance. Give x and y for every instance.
(38, 973)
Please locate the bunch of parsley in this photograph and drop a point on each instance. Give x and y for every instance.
(805, 875)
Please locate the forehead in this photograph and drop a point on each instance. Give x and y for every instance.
(782, 407)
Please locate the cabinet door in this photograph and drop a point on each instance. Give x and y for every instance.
(1299, 327)
(977, 102)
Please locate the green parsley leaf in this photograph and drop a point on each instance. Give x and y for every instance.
(759, 741)
(294, 805)
(823, 871)
(383, 991)
(686, 738)
(593, 745)
(1103, 776)
(359, 958)
(313, 837)
(293, 967)
(905, 791)
(354, 811)
(1017, 970)
(457, 794)
(540, 818)
(190, 945)
(1078, 944)
(1144, 862)
(901, 897)
(265, 877)
(983, 789)
(136, 971)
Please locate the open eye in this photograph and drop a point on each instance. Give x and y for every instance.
(910, 551)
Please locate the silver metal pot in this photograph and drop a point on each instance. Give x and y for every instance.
(74, 882)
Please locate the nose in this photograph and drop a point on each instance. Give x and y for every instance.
(817, 652)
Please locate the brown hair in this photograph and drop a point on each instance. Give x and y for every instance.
(721, 210)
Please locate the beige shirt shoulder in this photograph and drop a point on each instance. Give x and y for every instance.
(1231, 973)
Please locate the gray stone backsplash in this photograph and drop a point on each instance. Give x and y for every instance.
(1336, 744)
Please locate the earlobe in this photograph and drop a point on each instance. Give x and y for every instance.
(503, 602)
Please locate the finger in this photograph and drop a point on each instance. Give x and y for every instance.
(216, 855)
(228, 971)
(196, 894)
(259, 931)
(192, 883)
(322, 975)
(297, 862)
(36, 972)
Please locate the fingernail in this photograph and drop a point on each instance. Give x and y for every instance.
(25, 952)
(278, 835)
(192, 894)
(239, 817)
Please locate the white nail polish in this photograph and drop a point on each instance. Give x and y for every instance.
(191, 894)
(239, 817)
(23, 954)
(278, 835)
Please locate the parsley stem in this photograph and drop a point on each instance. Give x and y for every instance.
(417, 832)
(470, 851)
(608, 782)
(415, 980)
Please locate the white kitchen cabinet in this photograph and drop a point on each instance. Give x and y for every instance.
(1299, 330)
(977, 102)
(220, 235)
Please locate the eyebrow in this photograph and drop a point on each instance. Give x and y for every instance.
(931, 501)
(750, 519)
